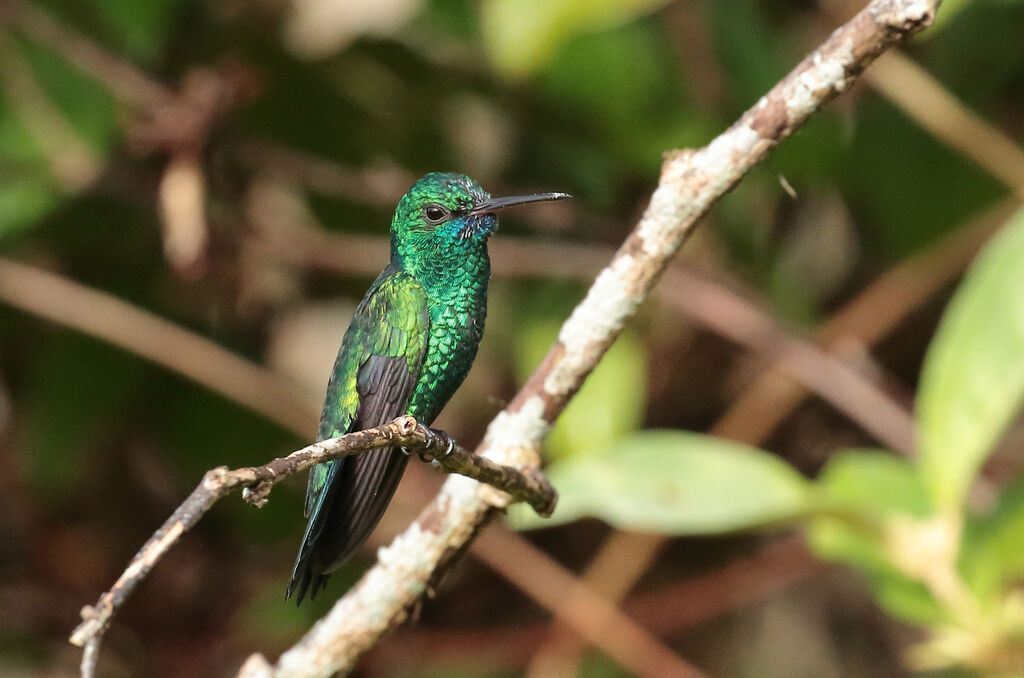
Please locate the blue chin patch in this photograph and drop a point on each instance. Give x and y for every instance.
(477, 226)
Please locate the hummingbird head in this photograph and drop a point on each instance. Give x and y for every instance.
(447, 215)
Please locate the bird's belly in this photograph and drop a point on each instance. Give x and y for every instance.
(454, 338)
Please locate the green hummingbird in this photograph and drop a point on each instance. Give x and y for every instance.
(409, 346)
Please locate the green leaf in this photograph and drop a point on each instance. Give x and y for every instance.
(23, 200)
(747, 48)
(947, 189)
(904, 598)
(611, 402)
(973, 378)
(30, 189)
(676, 483)
(78, 389)
(868, 488)
(521, 35)
(993, 547)
(140, 27)
(952, 8)
(946, 13)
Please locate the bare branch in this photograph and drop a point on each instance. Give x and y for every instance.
(690, 182)
(257, 481)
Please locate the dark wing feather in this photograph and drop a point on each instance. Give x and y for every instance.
(347, 497)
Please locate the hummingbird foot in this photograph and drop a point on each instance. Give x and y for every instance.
(437, 439)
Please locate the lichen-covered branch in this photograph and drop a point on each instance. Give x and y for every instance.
(690, 183)
(256, 483)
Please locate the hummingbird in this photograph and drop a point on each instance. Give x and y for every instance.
(407, 349)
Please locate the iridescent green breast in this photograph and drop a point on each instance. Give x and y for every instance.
(457, 312)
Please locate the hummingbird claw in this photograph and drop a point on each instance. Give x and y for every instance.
(439, 436)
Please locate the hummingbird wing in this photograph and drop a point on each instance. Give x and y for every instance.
(372, 382)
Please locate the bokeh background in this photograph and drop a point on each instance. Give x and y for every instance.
(205, 188)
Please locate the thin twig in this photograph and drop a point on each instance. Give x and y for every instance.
(256, 483)
(690, 182)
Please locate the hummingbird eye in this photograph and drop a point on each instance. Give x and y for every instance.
(436, 213)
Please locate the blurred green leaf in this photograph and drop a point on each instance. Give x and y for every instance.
(872, 487)
(29, 188)
(676, 483)
(872, 484)
(907, 200)
(993, 546)
(83, 103)
(79, 391)
(611, 402)
(521, 35)
(904, 598)
(23, 200)
(612, 78)
(612, 75)
(748, 52)
(972, 383)
(139, 28)
(949, 10)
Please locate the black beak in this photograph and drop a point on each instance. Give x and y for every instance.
(495, 204)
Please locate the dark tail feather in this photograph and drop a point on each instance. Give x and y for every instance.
(352, 505)
(304, 580)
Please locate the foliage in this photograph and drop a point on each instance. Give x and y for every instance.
(676, 483)
(973, 380)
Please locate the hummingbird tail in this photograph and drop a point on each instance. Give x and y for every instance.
(359, 489)
(303, 582)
